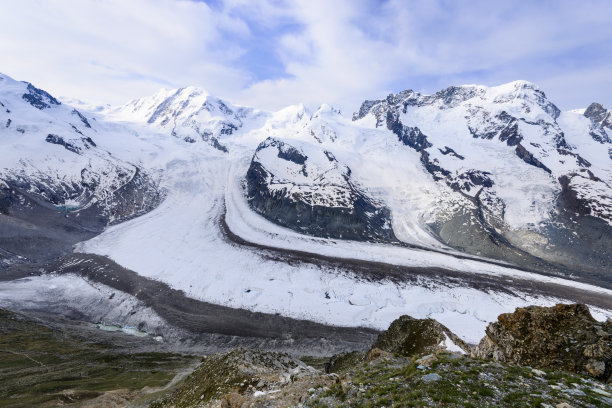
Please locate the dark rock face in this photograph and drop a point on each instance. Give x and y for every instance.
(81, 117)
(503, 126)
(597, 113)
(217, 145)
(39, 98)
(86, 142)
(410, 136)
(342, 211)
(415, 139)
(601, 119)
(470, 180)
(408, 337)
(58, 140)
(447, 150)
(569, 197)
(561, 337)
(528, 158)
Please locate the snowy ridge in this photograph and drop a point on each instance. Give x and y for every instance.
(190, 113)
(517, 115)
(495, 164)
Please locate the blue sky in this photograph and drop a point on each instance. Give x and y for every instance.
(271, 54)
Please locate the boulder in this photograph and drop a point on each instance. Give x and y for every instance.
(407, 336)
(562, 337)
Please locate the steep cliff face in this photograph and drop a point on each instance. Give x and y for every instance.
(307, 189)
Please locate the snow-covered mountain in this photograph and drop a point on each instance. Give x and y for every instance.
(531, 178)
(55, 181)
(498, 171)
(190, 113)
(480, 181)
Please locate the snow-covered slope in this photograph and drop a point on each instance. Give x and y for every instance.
(54, 178)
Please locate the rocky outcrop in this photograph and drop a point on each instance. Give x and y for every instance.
(38, 98)
(601, 122)
(398, 371)
(245, 378)
(407, 336)
(308, 190)
(597, 113)
(562, 337)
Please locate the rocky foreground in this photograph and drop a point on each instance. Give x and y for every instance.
(535, 357)
(548, 357)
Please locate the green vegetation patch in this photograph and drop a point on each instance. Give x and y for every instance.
(43, 366)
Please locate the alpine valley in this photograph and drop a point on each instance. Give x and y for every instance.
(182, 223)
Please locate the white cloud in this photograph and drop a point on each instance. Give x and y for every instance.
(339, 52)
(352, 50)
(113, 50)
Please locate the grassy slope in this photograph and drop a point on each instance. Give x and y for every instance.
(42, 366)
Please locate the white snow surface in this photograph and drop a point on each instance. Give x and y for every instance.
(181, 243)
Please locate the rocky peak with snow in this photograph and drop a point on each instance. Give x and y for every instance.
(598, 114)
(190, 113)
(601, 124)
(497, 171)
(307, 189)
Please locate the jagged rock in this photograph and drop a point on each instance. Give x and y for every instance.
(597, 113)
(563, 337)
(58, 140)
(344, 361)
(38, 98)
(376, 353)
(407, 336)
